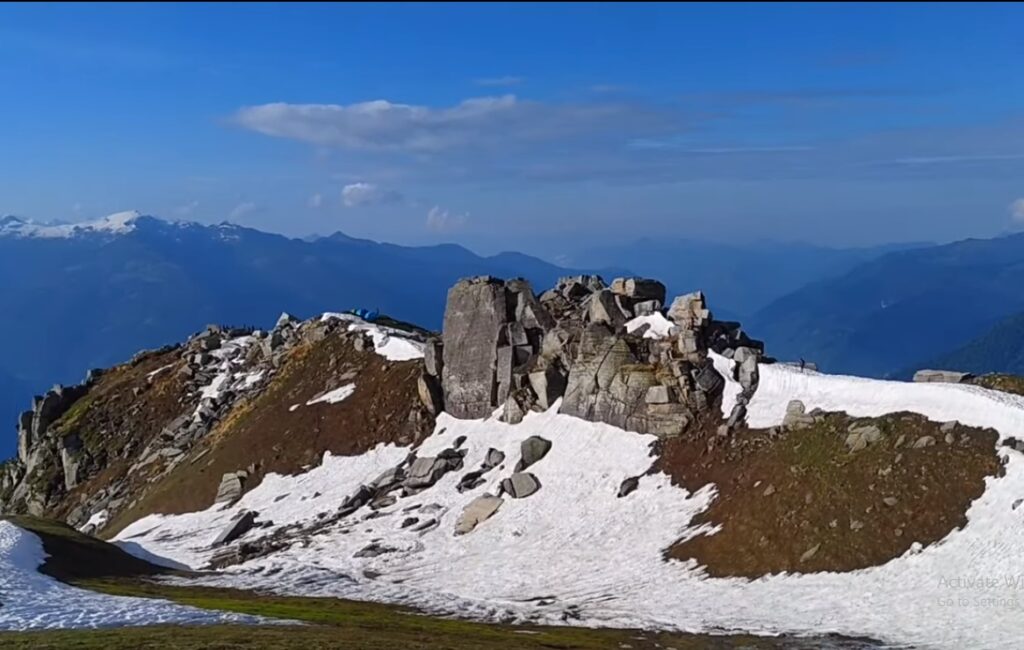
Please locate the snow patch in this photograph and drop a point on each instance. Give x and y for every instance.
(335, 396)
(388, 342)
(30, 600)
(660, 327)
(97, 521)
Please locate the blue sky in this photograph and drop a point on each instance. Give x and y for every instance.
(543, 128)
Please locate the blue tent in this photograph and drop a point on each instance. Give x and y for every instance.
(366, 314)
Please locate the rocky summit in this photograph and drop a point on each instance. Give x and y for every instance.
(599, 437)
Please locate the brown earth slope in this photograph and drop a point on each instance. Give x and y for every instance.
(798, 500)
(276, 431)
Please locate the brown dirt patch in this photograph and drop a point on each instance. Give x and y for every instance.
(265, 433)
(783, 493)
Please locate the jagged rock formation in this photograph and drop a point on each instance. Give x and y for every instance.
(505, 347)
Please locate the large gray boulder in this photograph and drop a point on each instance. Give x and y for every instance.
(239, 525)
(476, 512)
(532, 449)
(520, 485)
(428, 470)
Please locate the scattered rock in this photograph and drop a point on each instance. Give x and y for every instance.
(239, 525)
(520, 485)
(476, 512)
(628, 486)
(532, 449)
(373, 550)
(471, 481)
(809, 553)
(493, 458)
(924, 441)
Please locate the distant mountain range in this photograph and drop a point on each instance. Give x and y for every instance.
(90, 295)
(902, 309)
(739, 279)
(1001, 349)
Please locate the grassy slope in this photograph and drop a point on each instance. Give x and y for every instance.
(331, 623)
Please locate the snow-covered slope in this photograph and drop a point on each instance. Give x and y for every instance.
(575, 553)
(30, 600)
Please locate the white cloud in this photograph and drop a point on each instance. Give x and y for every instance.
(440, 219)
(316, 201)
(507, 80)
(242, 209)
(361, 194)
(505, 122)
(186, 209)
(1017, 210)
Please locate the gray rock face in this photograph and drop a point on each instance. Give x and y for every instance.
(429, 390)
(239, 525)
(941, 376)
(520, 485)
(433, 357)
(476, 512)
(533, 449)
(476, 312)
(232, 486)
(608, 308)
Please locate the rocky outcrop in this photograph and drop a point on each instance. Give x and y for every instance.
(505, 348)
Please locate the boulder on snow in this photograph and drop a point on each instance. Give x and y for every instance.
(427, 470)
(628, 486)
(471, 481)
(239, 525)
(532, 449)
(493, 458)
(476, 512)
(520, 485)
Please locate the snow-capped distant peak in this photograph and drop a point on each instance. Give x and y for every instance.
(119, 223)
